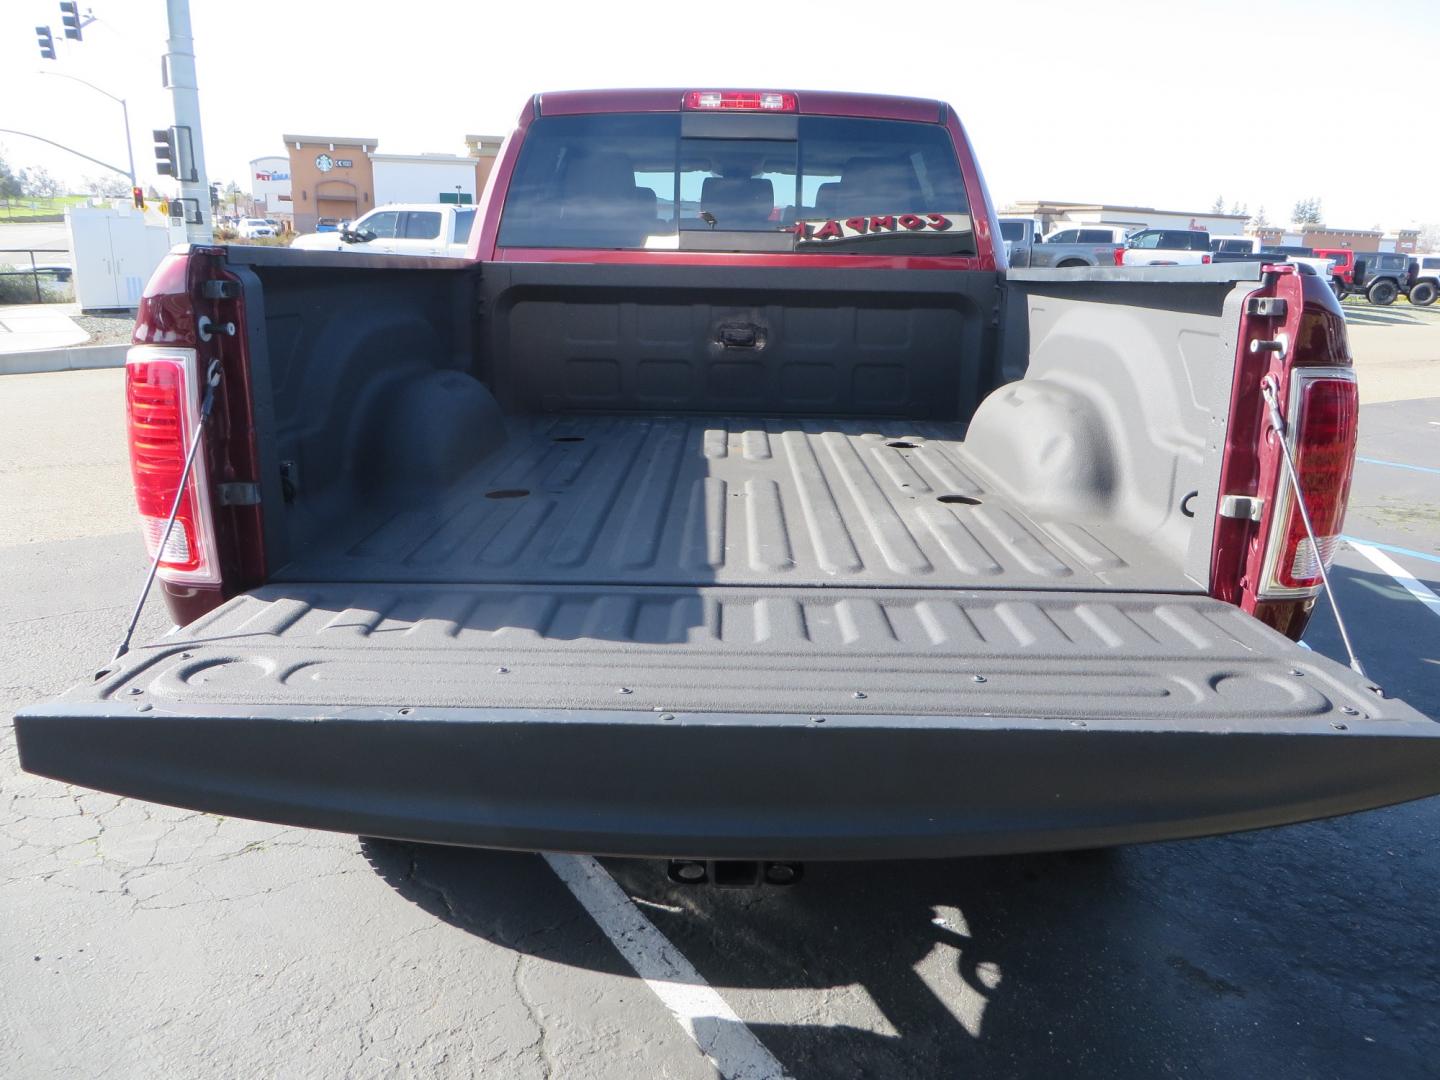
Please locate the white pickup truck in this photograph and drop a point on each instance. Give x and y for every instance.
(399, 229)
(1167, 247)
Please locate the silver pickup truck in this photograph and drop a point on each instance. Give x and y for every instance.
(1080, 245)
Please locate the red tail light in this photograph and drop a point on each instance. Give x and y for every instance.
(1204, 259)
(1323, 418)
(1120, 256)
(162, 408)
(745, 100)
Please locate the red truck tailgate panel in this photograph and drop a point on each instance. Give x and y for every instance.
(723, 722)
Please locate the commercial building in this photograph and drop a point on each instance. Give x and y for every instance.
(343, 177)
(270, 187)
(1325, 236)
(330, 177)
(1052, 213)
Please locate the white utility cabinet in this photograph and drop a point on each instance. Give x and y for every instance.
(115, 253)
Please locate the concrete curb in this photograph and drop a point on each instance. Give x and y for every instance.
(75, 358)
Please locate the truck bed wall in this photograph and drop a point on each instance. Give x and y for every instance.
(1093, 401)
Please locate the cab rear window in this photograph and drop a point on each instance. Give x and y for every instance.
(707, 182)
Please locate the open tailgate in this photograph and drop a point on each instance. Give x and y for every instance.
(737, 723)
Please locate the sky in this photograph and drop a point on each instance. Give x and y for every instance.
(1151, 102)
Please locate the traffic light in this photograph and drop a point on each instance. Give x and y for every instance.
(138, 194)
(47, 42)
(165, 151)
(70, 17)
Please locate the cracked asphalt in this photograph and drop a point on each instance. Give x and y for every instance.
(140, 941)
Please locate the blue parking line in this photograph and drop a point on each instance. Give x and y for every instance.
(1398, 465)
(1392, 549)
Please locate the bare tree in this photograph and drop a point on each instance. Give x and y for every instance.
(1218, 206)
(108, 186)
(1429, 239)
(40, 184)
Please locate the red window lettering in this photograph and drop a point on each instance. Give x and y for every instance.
(802, 230)
(911, 222)
(938, 222)
(829, 231)
(855, 224)
(878, 223)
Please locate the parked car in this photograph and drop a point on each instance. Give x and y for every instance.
(399, 229)
(1381, 275)
(1424, 284)
(653, 529)
(1167, 247)
(1067, 247)
(251, 228)
(327, 225)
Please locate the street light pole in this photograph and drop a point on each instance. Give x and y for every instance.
(124, 110)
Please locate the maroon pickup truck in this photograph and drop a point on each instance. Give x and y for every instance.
(735, 501)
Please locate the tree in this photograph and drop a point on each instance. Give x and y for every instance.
(1307, 212)
(1430, 236)
(1218, 206)
(12, 184)
(1239, 208)
(108, 186)
(40, 184)
(1259, 219)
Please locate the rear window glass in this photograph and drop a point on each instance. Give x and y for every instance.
(1096, 236)
(1429, 263)
(1012, 230)
(463, 220)
(725, 182)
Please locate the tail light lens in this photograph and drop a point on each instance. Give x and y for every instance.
(162, 406)
(1323, 418)
(1120, 256)
(1205, 259)
(746, 101)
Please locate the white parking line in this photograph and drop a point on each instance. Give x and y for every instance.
(1403, 577)
(731, 1046)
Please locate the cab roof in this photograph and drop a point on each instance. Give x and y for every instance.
(808, 102)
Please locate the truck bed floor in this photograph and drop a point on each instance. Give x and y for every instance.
(695, 501)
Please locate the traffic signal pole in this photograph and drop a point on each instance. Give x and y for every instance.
(179, 71)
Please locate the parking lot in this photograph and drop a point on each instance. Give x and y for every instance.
(140, 941)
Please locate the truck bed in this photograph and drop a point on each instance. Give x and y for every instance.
(737, 562)
(617, 500)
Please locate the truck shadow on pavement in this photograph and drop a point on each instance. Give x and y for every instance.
(1084, 964)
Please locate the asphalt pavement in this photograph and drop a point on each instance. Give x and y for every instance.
(139, 941)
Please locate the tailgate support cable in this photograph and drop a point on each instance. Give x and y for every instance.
(212, 380)
(1267, 388)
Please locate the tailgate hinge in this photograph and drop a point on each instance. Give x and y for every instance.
(1245, 507)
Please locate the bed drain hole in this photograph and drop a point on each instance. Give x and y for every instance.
(963, 500)
(568, 438)
(507, 493)
(898, 445)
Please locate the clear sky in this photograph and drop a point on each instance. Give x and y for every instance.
(1150, 102)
